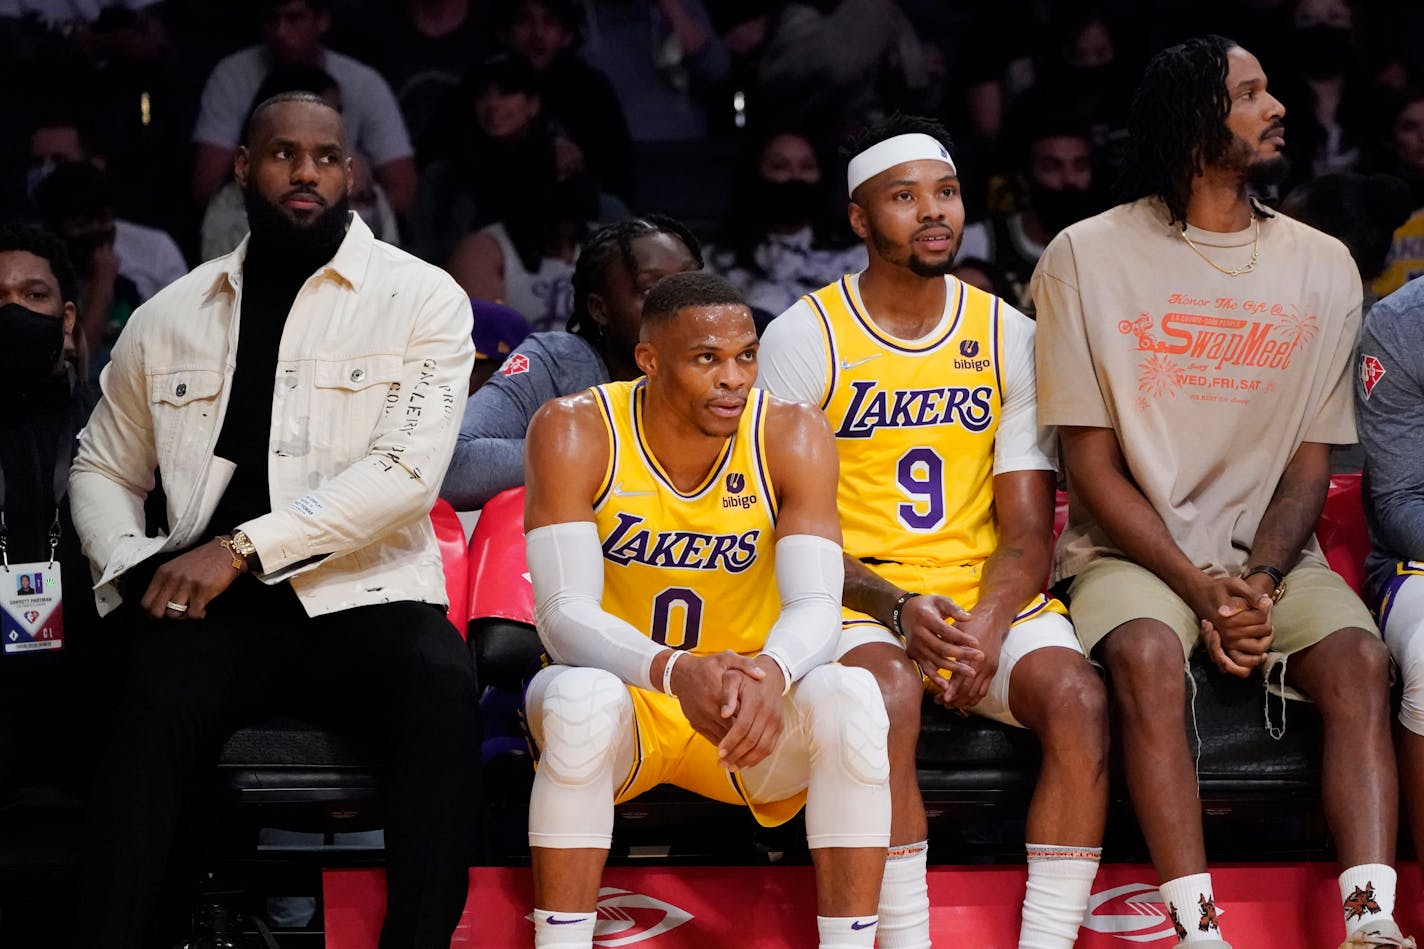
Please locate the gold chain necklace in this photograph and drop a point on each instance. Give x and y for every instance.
(1255, 250)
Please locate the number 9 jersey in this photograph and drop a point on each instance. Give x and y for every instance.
(922, 426)
(692, 571)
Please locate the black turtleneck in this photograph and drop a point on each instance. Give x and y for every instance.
(271, 277)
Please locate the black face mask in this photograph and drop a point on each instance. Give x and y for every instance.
(1056, 209)
(787, 203)
(33, 344)
(1322, 51)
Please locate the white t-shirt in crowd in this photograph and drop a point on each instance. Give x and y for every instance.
(373, 119)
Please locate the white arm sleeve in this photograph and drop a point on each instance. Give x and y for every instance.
(566, 569)
(791, 363)
(809, 576)
(1020, 444)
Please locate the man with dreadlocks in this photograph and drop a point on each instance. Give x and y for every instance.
(616, 268)
(1194, 352)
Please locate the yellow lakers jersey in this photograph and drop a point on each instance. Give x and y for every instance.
(915, 423)
(692, 571)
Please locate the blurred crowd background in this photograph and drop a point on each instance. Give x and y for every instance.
(491, 135)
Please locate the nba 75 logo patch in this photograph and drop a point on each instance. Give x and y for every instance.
(1371, 372)
(514, 365)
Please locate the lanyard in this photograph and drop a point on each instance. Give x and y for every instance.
(64, 448)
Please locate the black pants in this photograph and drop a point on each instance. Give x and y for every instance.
(395, 675)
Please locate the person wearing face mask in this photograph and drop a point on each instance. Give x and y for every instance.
(44, 650)
(1057, 177)
(778, 241)
(1324, 90)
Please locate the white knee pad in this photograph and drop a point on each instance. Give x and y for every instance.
(1404, 632)
(578, 715)
(846, 718)
(848, 796)
(582, 721)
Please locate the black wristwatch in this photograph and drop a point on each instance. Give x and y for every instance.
(1278, 579)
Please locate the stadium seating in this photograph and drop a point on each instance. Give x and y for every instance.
(970, 767)
(281, 773)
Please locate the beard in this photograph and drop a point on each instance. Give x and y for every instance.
(911, 261)
(1266, 174)
(276, 230)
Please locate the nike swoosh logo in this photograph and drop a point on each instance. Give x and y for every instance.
(618, 491)
(858, 925)
(556, 921)
(860, 362)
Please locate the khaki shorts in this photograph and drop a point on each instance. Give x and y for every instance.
(1110, 592)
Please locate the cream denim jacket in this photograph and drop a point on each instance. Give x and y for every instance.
(372, 375)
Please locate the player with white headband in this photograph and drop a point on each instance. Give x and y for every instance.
(946, 504)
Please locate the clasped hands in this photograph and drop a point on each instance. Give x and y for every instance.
(941, 635)
(733, 701)
(1236, 623)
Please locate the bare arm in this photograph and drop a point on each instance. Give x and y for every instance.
(1291, 516)
(804, 467)
(566, 457)
(477, 264)
(1099, 476)
(400, 180)
(212, 167)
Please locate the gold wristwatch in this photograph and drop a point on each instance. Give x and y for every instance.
(243, 550)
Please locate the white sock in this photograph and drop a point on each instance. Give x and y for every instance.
(905, 899)
(1367, 895)
(555, 930)
(1191, 905)
(846, 932)
(1060, 880)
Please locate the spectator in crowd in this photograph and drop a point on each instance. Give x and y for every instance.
(1389, 404)
(524, 255)
(225, 220)
(305, 578)
(76, 202)
(422, 48)
(947, 521)
(1401, 149)
(1363, 212)
(578, 100)
(46, 408)
(500, 136)
(1054, 171)
(738, 701)
(50, 666)
(147, 256)
(616, 268)
(809, 74)
(1324, 89)
(987, 276)
(293, 31)
(1176, 535)
(778, 241)
(663, 58)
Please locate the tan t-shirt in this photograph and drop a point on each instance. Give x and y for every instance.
(1211, 382)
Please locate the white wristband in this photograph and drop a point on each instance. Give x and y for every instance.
(785, 671)
(667, 671)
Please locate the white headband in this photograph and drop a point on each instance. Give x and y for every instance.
(915, 146)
